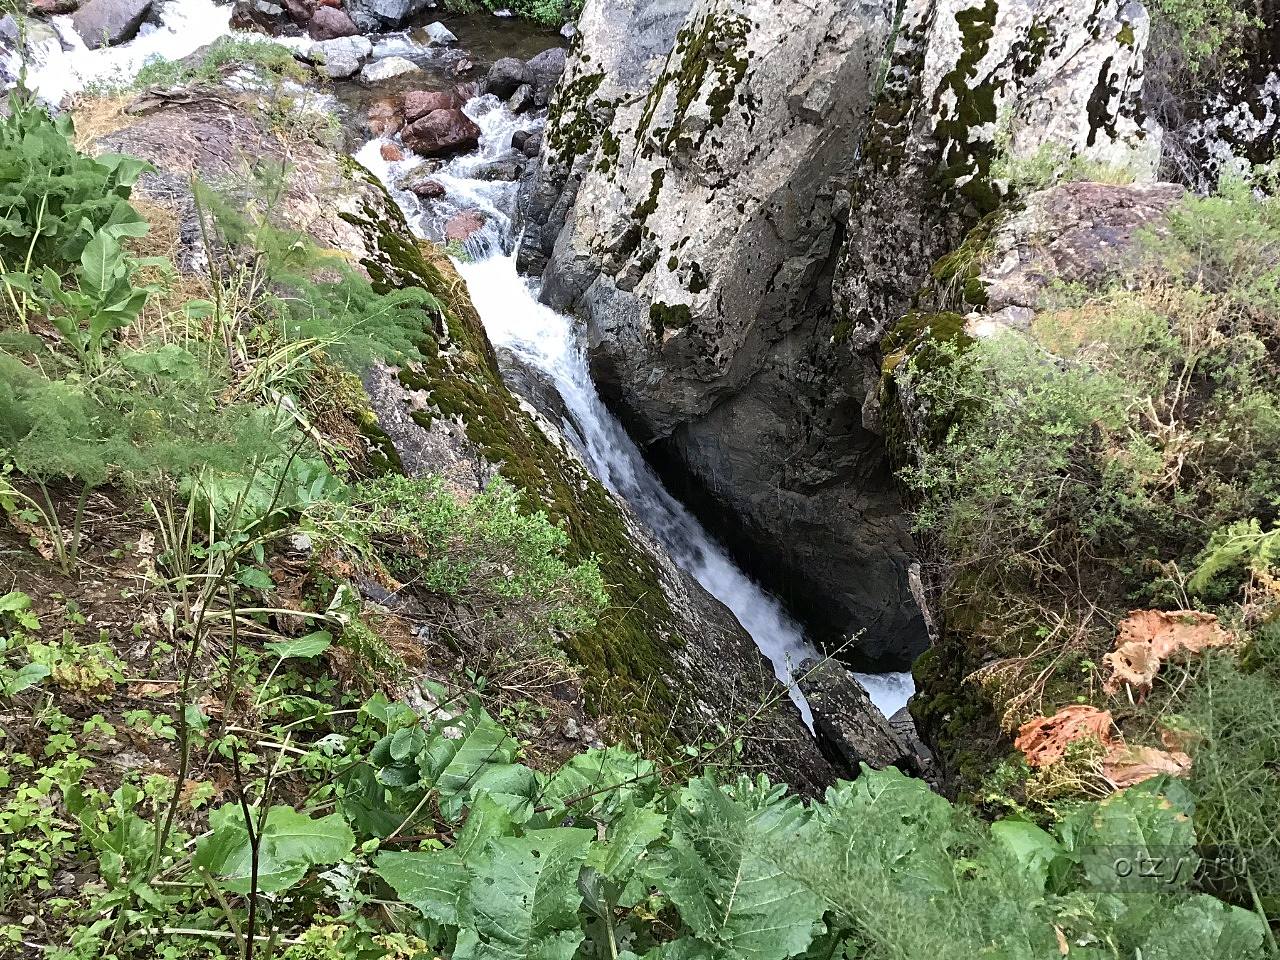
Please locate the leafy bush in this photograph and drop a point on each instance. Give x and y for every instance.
(1134, 423)
(551, 13)
(1205, 32)
(502, 569)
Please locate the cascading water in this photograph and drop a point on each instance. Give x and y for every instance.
(549, 342)
(508, 305)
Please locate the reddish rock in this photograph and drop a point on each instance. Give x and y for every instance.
(331, 3)
(54, 7)
(300, 11)
(418, 103)
(428, 189)
(442, 133)
(385, 118)
(463, 225)
(391, 153)
(330, 24)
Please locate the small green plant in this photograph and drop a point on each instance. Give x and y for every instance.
(18, 624)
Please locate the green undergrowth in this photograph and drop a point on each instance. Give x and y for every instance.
(549, 13)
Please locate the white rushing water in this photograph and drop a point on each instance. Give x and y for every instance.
(550, 343)
(508, 305)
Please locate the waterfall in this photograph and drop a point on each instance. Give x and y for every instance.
(550, 343)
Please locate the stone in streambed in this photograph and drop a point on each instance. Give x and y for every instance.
(386, 69)
(300, 11)
(391, 153)
(442, 133)
(259, 16)
(850, 728)
(108, 22)
(507, 169)
(523, 99)
(506, 76)
(440, 35)
(418, 103)
(461, 226)
(340, 58)
(385, 117)
(383, 14)
(52, 8)
(428, 189)
(330, 24)
(545, 71)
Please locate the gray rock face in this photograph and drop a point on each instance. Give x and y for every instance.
(850, 729)
(108, 22)
(704, 226)
(506, 76)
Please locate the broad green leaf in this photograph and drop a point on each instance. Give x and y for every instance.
(303, 648)
(1136, 839)
(629, 838)
(365, 806)
(435, 883)
(512, 786)
(101, 262)
(523, 898)
(1205, 927)
(25, 677)
(291, 844)
(456, 754)
(1030, 847)
(600, 783)
(723, 874)
(13, 601)
(486, 820)
(169, 361)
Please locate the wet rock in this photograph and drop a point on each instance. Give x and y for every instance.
(568, 31)
(330, 24)
(376, 15)
(440, 35)
(108, 22)
(52, 8)
(260, 16)
(462, 225)
(532, 144)
(519, 139)
(905, 726)
(850, 729)
(382, 70)
(463, 66)
(507, 168)
(427, 189)
(391, 153)
(523, 99)
(385, 117)
(441, 133)
(340, 58)
(505, 76)
(397, 46)
(300, 11)
(546, 69)
(418, 103)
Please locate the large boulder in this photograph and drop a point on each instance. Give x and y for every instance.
(704, 174)
(377, 15)
(418, 103)
(506, 76)
(545, 71)
(382, 70)
(108, 22)
(441, 133)
(340, 58)
(258, 16)
(328, 23)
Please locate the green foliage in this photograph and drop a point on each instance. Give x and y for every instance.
(1146, 416)
(1205, 32)
(551, 13)
(289, 845)
(504, 570)
(220, 57)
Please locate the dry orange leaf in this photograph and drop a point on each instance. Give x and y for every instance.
(1124, 765)
(1043, 740)
(1147, 638)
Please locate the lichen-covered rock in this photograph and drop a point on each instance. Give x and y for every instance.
(966, 77)
(707, 184)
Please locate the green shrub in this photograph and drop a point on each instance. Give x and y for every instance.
(1205, 32)
(551, 13)
(501, 568)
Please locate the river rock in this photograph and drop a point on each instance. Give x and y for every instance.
(418, 103)
(399, 45)
(328, 23)
(850, 729)
(440, 35)
(462, 225)
(340, 58)
(523, 99)
(391, 153)
(546, 69)
(51, 8)
(427, 189)
(505, 76)
(377, 15)
(381, 70)
(259, 16)
(300, 11)
(441, 133)
(506, 168)
(108, 22)
(385, 117)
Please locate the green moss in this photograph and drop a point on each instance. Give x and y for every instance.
(667, 316)
(646, 208)
(627, 658)
(572, 126)
(697, 279)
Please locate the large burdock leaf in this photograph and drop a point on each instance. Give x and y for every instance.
(291, 844)
(1205, 927)
(457, 754)
(523, 898)
(1043, 740)
(724, 877)
(1147, 638)
(435, 883)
